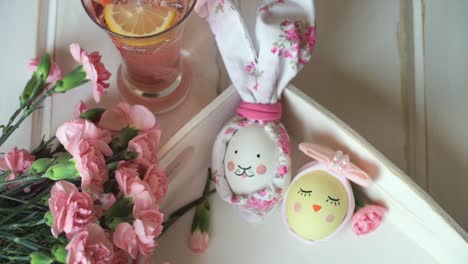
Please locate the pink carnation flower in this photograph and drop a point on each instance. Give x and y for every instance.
(104, 203)
(146, 145)
(95, 70)
(148, 227)
(141, 237)
(367, 219)
(91, 165)
(157, 182)
(90, 246)
(124, 115)
(70, 135)
(16, 161)
(55, 73)
(126, 239)
(72, 210)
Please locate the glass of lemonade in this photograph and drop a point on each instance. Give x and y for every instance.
(148, 35)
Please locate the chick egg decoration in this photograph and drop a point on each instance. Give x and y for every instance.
(320, 200)
(251, 159)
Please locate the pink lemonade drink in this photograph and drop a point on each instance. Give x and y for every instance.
(147, 34)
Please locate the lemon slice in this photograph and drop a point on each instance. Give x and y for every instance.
(139, 21)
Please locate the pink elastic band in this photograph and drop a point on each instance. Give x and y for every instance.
(260, 112)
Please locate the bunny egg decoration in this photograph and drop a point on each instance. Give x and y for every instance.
(251, 155)
(320, 200)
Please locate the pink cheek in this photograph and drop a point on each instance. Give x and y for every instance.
(231, 166)
(261, 169)
(297, 207)
(330, 218)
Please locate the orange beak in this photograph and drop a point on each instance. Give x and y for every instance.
(316, 207)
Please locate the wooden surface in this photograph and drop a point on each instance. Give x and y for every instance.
(415, 229)
(400, 85)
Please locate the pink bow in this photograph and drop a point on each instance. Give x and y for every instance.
(336, 161)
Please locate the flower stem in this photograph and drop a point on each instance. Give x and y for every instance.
(29, 110)
(174, 216)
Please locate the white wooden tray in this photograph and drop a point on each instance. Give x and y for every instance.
(415, 230)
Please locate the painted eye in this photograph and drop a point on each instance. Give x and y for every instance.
(303, 192)
(333, 201)
(258, 155)
(235, 151)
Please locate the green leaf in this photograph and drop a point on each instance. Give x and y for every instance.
(93, 115)
(121, 211)
(120, 141)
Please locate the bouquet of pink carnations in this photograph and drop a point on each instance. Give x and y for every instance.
(93, 197)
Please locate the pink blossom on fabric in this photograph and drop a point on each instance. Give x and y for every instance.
(79, 109)
(90, 246)
(148, 226)
(72, 210)
(16, 161)
(95, 70)
(274, 49)
(367, 219)
(104, 202)
(91, 165)
(157, 181)
(146, 145)
(311, 38)
(283, 170)
(261, 205)
(126, 239)
(124, 115)
(70, 134)
(55, 73)
(250, 67)
(293, 35)
(198, 241)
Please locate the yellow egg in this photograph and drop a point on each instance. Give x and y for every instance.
(316, 205)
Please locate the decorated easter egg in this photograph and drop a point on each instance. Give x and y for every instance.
(251, 160)
(316, 205)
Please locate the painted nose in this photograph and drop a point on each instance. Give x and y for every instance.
(316, 207)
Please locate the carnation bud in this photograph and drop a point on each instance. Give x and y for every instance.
(93, 114)
(73, 79)
(41, 165)
(48, 218)
(40, 258)
(120, 141)
(63, 171)
(43, 68)
(60, 253)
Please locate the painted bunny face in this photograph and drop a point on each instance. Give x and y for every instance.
(316, 205)
(251, 160)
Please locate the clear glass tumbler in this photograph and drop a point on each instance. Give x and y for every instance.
(147, 33)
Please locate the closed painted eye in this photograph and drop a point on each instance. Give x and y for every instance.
(304, 193)
(333, 201)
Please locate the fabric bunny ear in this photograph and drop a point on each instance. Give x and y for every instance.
(285, 37)
(337, 162)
